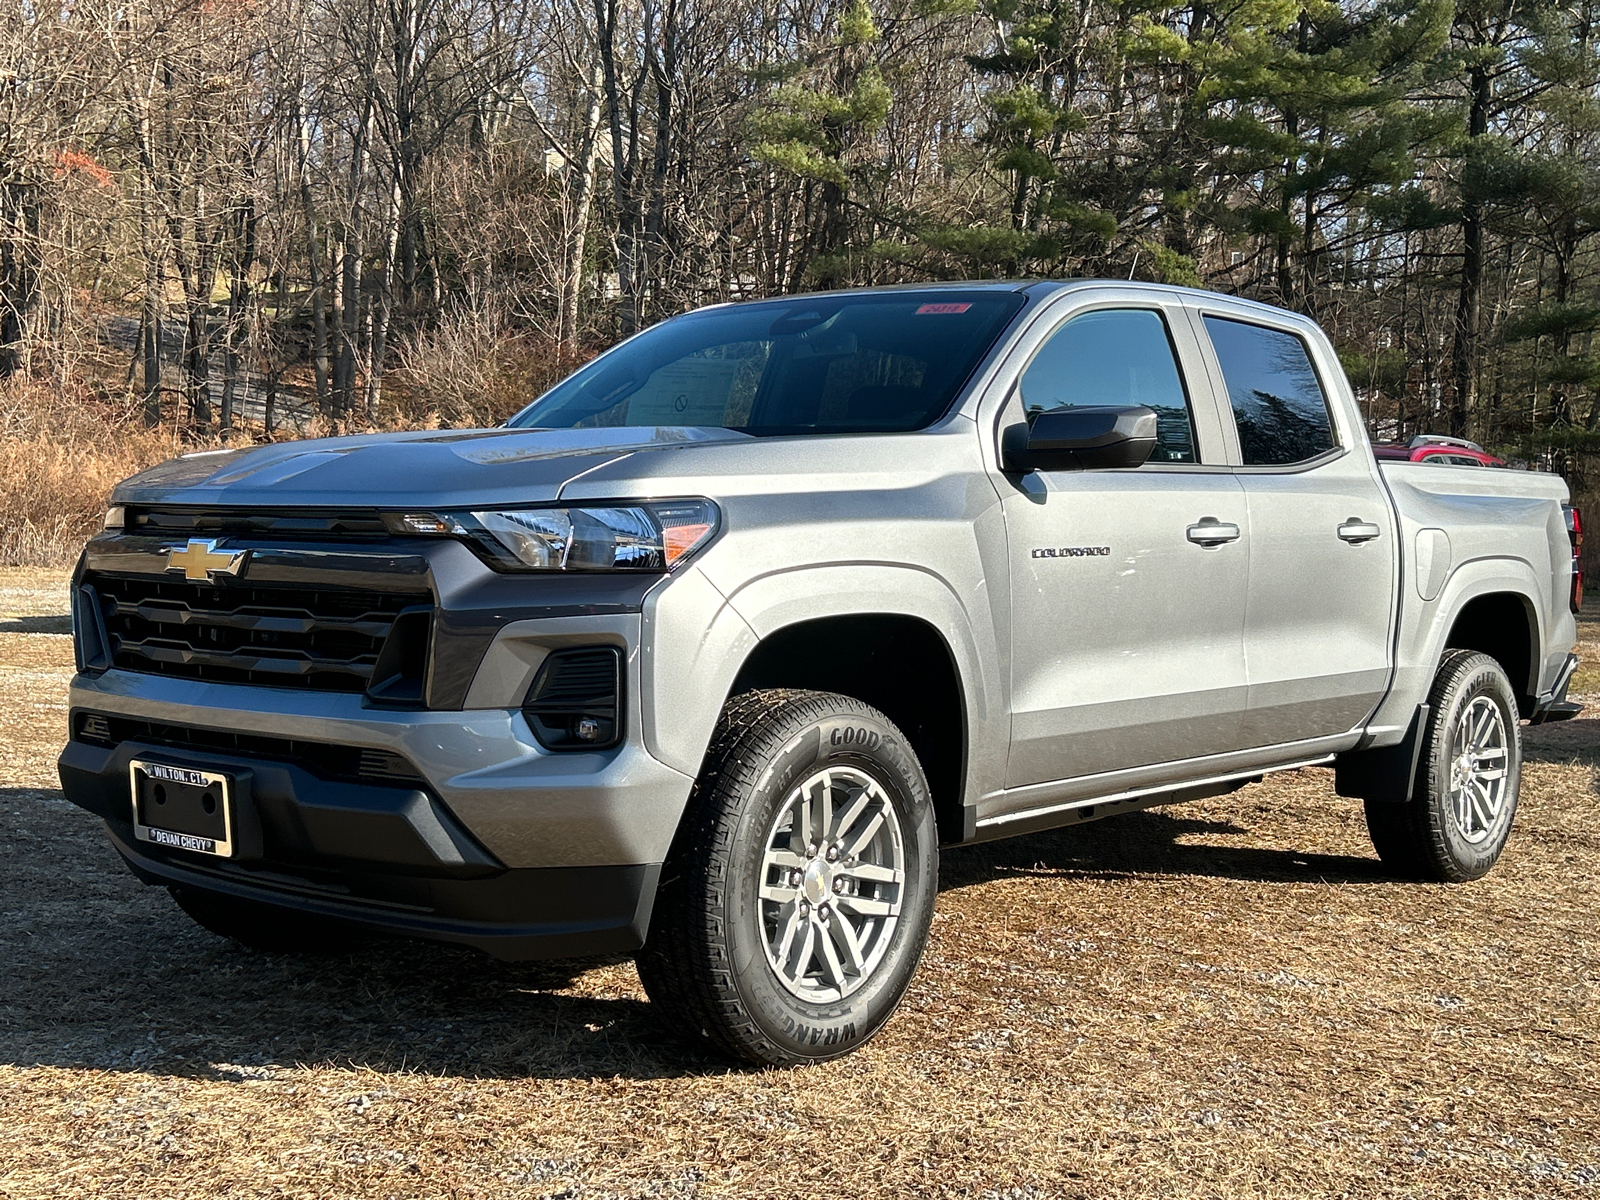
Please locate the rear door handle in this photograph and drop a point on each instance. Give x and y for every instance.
(1356, 530)
(1210, 532)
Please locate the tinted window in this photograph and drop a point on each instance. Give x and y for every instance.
(1120, 357)
(1277, 399)
(868, 363)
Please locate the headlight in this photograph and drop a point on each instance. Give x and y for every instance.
(116, 517)
(653, 536)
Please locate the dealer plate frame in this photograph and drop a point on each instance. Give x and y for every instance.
(170, 839)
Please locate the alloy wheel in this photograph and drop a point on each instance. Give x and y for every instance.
(832, 882)
(1478, 761)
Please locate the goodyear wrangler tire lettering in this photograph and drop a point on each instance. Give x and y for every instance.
(810, 812)
(834, 1035)
(849, 735)
(809, 747)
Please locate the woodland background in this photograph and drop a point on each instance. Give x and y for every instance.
(228, 220)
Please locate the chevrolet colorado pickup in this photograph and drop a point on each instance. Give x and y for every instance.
(705, 654)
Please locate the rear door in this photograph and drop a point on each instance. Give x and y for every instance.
(1127, 586)
(1323, 560)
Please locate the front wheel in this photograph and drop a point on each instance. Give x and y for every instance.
(1468, 778)
(798, 895)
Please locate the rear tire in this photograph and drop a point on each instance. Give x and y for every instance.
(1469, 774)
(796, 900)
(264, 927)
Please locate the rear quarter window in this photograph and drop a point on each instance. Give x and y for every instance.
(1278, 403)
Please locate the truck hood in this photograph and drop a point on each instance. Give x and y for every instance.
(454, 469)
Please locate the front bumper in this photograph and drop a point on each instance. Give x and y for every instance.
(391, 858)
(534, 913)
(526, 806)
(484, 837)
(498, 843)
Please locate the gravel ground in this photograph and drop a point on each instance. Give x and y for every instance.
(1227, 999)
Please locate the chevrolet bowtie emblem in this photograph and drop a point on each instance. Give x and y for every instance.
(199, 560)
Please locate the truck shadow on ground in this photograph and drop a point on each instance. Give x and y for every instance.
(45, 624)
(98, 971)
(1563, 742)
(1145, 844)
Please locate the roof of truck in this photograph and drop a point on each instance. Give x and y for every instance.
(1034, 286)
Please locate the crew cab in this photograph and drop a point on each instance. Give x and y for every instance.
(705, 654)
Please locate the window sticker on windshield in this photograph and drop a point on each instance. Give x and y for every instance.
(942, 308)
(691, 391)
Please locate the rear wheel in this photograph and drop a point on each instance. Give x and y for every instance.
(264, 927)
(1468, 778)
(797, 899)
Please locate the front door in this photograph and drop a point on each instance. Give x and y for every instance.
(1127, 586)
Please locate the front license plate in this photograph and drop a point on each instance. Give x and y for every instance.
(182, 808)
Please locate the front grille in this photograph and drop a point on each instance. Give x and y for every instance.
(277, 636)
(323, 759)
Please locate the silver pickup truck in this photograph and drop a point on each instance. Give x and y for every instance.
(705, 653)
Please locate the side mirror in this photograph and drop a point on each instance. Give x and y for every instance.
(1066, 439)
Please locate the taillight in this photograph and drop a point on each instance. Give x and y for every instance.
(1575, 535)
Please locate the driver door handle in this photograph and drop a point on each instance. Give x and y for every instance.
(1355, 530)
(1210, 532)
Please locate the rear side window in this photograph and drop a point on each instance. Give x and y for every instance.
(1277, 399)
(1120, 357)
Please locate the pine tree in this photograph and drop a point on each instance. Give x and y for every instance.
(1556, 180)
(833, 100)
(1314, 115)
(1488, 72)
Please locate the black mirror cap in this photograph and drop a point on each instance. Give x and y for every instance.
(1068, 439)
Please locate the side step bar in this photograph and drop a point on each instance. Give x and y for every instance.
(1054, 816)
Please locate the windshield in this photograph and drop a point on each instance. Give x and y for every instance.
(866, 363)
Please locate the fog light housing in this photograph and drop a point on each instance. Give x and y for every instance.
(575, 702)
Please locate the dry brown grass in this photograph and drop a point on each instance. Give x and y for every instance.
(62, 450)
(1227, 999)
(476, 367)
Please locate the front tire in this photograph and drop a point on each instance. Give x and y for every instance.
(796, 901)
(1468, 779)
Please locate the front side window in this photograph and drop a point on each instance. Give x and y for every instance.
(1120, 357)
(864, 363)
(1277, 399)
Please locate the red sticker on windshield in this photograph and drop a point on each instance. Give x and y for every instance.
(942, 308)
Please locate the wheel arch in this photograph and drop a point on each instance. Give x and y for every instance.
(1505, 626)
(847, 627)
(1430, 629)
(1496, 618)
(1492, 605)
(897, 663)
